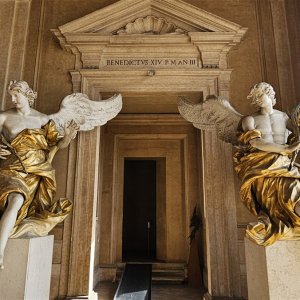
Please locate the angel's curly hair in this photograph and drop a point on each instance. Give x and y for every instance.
(258, 90)
(23, 88)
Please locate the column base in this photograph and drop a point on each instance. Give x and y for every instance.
(92, 296)
(208, 296)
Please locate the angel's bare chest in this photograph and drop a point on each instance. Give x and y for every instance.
(270, 123)
(14, 124)
(272, 127)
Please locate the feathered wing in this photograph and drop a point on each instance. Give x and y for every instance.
(85, 112)
(215, 113)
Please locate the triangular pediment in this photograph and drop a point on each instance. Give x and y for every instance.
(169, 32)
(117, 17)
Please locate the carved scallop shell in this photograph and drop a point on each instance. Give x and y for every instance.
(150, 25)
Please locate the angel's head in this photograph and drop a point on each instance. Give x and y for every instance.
(21, 88)
(258, 91)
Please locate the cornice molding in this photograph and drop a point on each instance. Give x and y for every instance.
(123, 12)
(148, 119)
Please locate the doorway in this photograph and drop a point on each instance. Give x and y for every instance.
(139, 210)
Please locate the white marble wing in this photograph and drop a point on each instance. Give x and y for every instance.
(85, 112)
(215, 113)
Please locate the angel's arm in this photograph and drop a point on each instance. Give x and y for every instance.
(3, 148)
(4, 152)
(2, 120)
(260, 143)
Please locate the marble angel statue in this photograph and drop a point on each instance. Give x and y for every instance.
(29, 141)
(264, 159)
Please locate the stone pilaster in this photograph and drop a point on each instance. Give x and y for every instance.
(283, 55)
(222, 259)
(14, 21)
(81, 269)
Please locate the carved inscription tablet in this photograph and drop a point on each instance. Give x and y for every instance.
(151, 62)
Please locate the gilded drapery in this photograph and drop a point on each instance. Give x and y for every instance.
(28, 171)
(270, 191)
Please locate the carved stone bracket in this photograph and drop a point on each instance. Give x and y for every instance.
(214, 46)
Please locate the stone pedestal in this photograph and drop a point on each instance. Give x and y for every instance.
(273, 272)
(27, 272)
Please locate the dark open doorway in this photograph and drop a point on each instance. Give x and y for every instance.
(139, 210)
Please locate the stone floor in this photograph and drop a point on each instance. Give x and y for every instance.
(106, 291)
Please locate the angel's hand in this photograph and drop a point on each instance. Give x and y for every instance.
(266, 146)
(4, 152)
(71, 130)
(70, 133)
(292, 148)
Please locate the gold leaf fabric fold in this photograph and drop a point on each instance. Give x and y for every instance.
(28, 171)
(270, 191)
